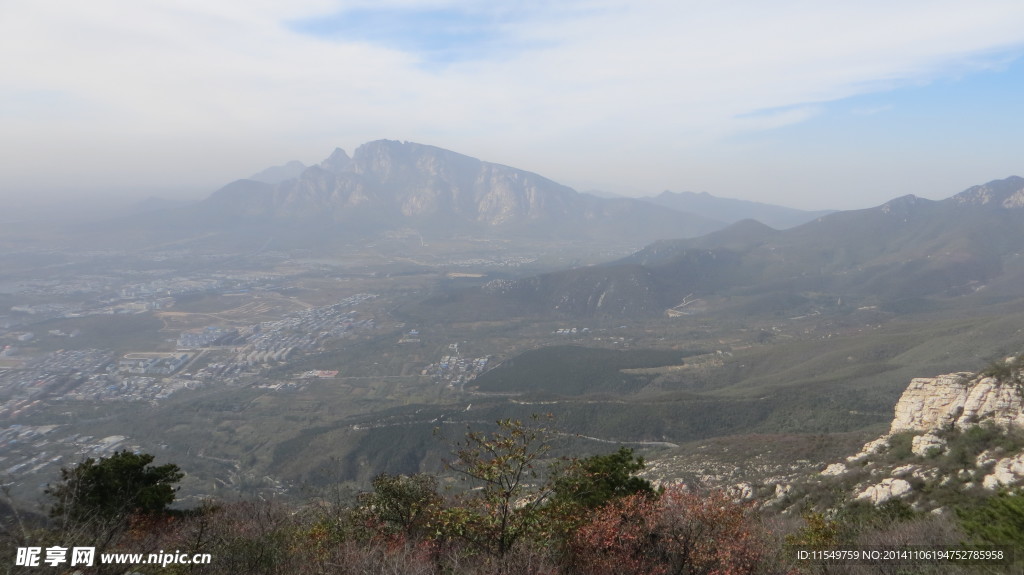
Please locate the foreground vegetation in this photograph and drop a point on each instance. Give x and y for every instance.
(517, 510)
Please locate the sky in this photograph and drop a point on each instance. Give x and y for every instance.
(809, 104)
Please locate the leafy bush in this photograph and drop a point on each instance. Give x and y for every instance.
(1010, 370)
(680, 532)
(593, 482)
(900, 446)
(401, 504)
(998, 520)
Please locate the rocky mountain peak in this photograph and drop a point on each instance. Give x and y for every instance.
(337, 162)
(408, 163)
(388, 184)
(900, 205)
(1006, 194)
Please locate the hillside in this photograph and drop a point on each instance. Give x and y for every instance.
(905, 253)
(935, 493)
(954, 440)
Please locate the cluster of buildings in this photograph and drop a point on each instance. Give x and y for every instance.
(206, 337)
(28, 449)
(89, 375)
(31, 385)
(571, 331)
(119, 387)
(153, 363)
(44, 311)
(306, 330)
(169, 287)
(48, 309)
(69, 286)
(456, 371)
(499, 262)
(53, 373)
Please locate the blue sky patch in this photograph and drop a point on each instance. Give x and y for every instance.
(439, 36)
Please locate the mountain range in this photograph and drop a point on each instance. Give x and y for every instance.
(907, 252)
(389, 185)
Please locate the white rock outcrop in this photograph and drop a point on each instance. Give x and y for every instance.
(869, 448)
(959, 400)
(885, 490)
(741, 491)
(904, 470)
(834, 469)
(922, 445)
(933, 404)
(1008, 471)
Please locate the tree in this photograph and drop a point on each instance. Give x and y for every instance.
(596, 480)
(510, 489)
(401, 503)
(105, 492)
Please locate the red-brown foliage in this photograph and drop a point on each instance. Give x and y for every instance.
(681, 532)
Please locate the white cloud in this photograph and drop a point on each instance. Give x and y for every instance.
(203, 91)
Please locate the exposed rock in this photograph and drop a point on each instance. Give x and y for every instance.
(870, 448)
(1007, 471)
(957, 400)
(1014, 201)
(779, 496)
(903, 470)
(922, 445)
(1007, 194)
(741, 491)
(925, 474)
(834, 469)
(887, 489)
(930, 403)
(388, 184)
(985, 458)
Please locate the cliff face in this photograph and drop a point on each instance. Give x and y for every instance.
(934, 410)
(958, 400)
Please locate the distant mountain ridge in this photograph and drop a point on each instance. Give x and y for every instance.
(278, 174)
(904, 251)
(394, 184)
(731, 211)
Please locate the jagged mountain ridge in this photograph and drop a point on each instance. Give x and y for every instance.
(906, 249)
(388, 184)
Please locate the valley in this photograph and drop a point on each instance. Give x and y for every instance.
(266, 365)
(292, 374)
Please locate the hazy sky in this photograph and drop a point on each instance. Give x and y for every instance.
(804, 103)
